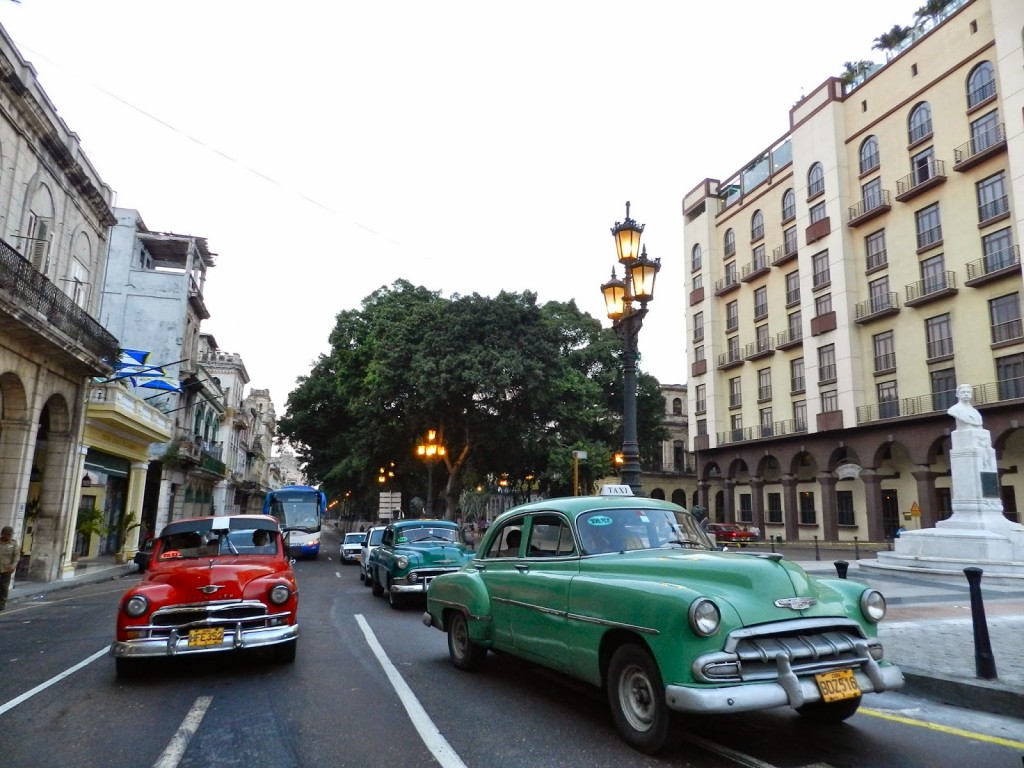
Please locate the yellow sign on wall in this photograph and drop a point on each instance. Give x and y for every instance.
(915, 510)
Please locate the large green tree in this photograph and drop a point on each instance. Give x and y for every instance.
(512, 388)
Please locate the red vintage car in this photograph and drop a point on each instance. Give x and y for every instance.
(730, 533)
(212, 584)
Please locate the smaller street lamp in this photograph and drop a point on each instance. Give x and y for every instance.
(430, 450)
(637, 285)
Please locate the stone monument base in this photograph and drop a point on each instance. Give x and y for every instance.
(947, 551)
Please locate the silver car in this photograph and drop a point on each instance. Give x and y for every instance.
(371, 540)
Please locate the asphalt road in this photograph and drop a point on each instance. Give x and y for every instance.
(372, 687)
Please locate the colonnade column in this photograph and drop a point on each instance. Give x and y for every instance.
(757, 501)
(67, 570)
(926, 496)
(790, 510)
(729, 506)
(829, 513)
(873, 503)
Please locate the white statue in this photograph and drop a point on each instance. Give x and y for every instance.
(966, 415)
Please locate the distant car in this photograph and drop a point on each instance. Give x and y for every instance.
(412, 553)
(629, 595)
(213, 584)
(373, 537)
(730, 533)
(351, 546)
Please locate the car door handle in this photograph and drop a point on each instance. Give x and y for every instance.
(522, 567)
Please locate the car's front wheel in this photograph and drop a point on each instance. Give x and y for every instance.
(637, 698)
(830, 711)
(395, 599)
(464, 653)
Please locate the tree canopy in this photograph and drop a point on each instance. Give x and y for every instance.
(512, 388)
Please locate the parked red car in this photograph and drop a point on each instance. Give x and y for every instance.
(212, 584)
(730, 533)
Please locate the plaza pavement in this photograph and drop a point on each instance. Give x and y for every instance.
(928, 631)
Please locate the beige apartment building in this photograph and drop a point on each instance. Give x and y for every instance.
(843, 282)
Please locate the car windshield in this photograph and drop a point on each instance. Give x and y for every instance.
(213, 543)
(427, 533)
(618, 530)
(354, 538)
(376, 535)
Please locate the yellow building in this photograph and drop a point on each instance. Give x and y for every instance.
(853, 273)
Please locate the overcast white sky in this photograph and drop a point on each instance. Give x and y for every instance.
(326, 149)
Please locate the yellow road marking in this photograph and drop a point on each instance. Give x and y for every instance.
(1011, 743)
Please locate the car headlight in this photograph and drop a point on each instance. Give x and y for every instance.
(136, 606)
(279, 594)
(402, 562)
(872, 605)
(704, 617)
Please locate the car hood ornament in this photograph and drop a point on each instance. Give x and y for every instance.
(796, 603)
(209, 589)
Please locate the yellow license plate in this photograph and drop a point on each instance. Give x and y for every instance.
(199, 638)
(837, 685)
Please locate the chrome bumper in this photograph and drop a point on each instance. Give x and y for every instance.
(789, 690)
(177, 645)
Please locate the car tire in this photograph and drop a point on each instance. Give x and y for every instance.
(285, 652)
(377, 588)
(464, 653)
(395, 600)
(636, 695)
(831, 711)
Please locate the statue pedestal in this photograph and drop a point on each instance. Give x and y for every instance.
(977, 533)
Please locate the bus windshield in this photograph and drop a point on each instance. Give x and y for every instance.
(296, 509)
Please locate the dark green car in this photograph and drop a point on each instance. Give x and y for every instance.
(411, 553)
(629, 594)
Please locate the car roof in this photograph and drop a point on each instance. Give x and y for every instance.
(221, 522)
(424, 523)
(575, 505)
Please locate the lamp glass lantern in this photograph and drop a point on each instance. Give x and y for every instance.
(642, 274)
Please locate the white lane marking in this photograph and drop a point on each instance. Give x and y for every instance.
(337, 574)
(431, 736)
(53, 680)
(179, 741)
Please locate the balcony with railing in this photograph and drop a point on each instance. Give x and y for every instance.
(729, 359)
(45, 308)
(929, 238)
(1008, 332)
(939, 349)
(757, 267)
(980, 148)
(996, 265)
(788, 338)
(876, 261)
(785, 252)
(763, 431)
(939, 402)
(928, 175)
(931, 288)
(876, 307)
(760, 348)
(868, 208)
(726, 284)
(994, 210)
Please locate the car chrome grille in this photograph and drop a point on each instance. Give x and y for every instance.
(426, 575)
(807, 647)
(243, 614)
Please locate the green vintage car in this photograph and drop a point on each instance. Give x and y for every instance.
(629, 594)
(411, 553)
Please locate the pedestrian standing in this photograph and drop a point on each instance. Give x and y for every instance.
(10, 553)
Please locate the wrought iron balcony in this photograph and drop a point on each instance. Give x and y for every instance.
(30, 291)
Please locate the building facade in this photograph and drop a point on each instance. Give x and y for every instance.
(55, 213)
(843, 283)
(673, 474)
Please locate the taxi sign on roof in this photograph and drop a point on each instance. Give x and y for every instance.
(616, 490)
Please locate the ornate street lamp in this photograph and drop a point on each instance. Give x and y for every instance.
(430, 450)
(626, 304)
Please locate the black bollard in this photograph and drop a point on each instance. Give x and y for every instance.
(984, 661)
(817, 554)
(772, 540)
(856, 549)
(841, 568)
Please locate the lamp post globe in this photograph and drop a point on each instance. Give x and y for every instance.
(626, 305)
(430, 450)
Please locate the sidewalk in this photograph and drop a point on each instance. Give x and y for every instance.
(928, 631)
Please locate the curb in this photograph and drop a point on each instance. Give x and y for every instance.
(989, 696)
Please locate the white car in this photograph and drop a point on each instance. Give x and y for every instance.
(351, 546)
(372, 540)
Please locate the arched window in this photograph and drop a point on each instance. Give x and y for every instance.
(729, 243)
(920, 124)
(757, 226)
(869, 159)
(981, 84)
(677, 406)
(815, 180)
(696, 258)
(788, 205)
